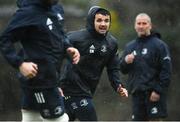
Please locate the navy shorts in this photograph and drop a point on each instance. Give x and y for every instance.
(48, 102)
(80, 108)
(144, 109)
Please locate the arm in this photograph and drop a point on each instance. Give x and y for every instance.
(165, 67)
(71, 51)
(114, 75)
(8, 50)
(7, 40)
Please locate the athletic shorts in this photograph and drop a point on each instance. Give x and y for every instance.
(48, 102)
(144, 109)
(80, 108)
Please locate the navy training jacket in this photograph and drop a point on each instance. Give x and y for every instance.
(151, 69)
(39, 28)
(97, 52)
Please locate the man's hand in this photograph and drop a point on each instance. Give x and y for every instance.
(122, 91)
(61, 92)
(154, 97)
(74, 53)
(28, 69)
(129, 58)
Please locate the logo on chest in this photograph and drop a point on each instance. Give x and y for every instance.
(49, 23)
(143, 52)
(103, 48)
(92, 49)
(59, 16)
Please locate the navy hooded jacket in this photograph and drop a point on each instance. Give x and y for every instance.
(97, 52)
(39, 28)
(151, 69)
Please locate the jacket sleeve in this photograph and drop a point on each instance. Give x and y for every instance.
(7, 48)
(165, 69)
(67, 42)
(124, 67)
(113, 71)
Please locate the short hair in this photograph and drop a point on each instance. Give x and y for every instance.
(144, 15)
(103, 12)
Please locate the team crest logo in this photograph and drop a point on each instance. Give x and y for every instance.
(103, 48)
(154, 110)
(91, 49)
(49, 23)
(144, 51)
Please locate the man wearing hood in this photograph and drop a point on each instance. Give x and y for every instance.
(98, 49)
(147, 62)
(38, 26)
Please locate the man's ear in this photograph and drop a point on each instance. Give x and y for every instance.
(151, 25)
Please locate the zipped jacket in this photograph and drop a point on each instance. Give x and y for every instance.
(39, 29)
(151, 68)
(97, 52)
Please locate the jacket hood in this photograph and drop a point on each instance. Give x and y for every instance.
(90, 20)
(28, 16)
(24, 3)
(153, 34)
(156, 34)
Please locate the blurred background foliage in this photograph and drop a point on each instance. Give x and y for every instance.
(109, 106)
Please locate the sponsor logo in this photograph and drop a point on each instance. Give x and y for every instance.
(59, 16)
(134, 53)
